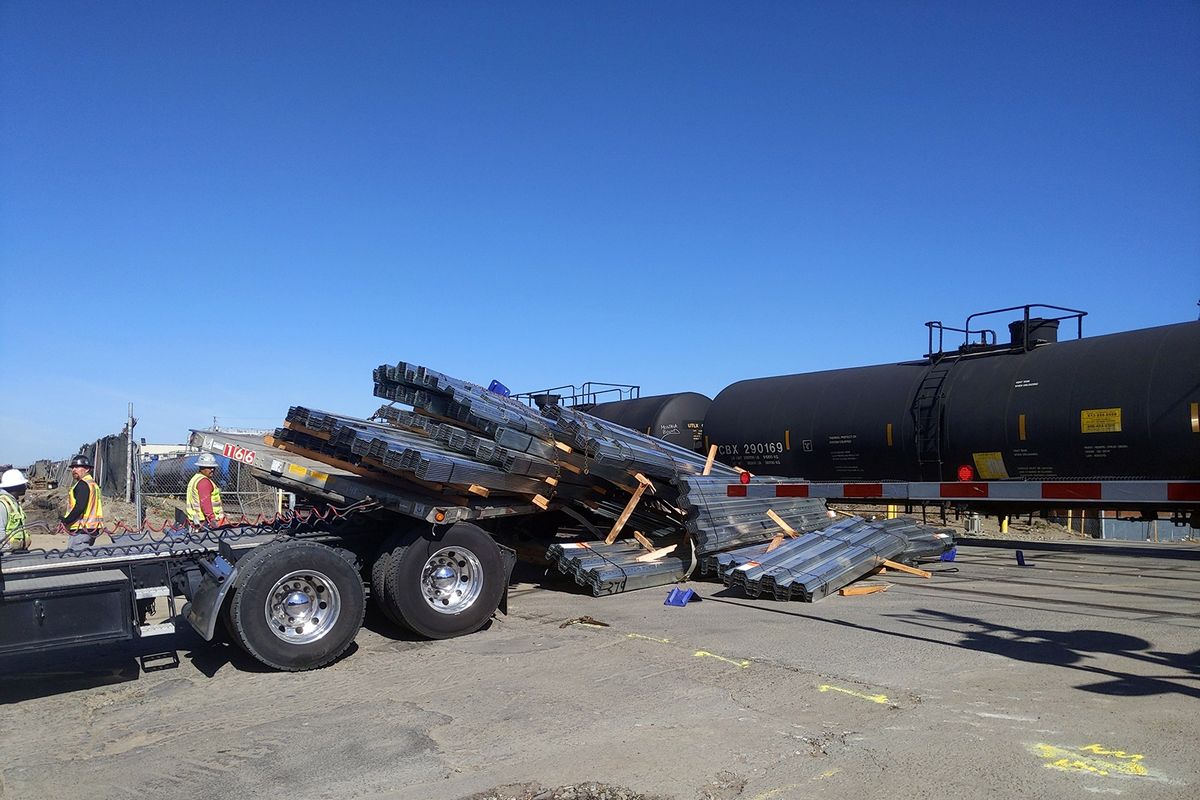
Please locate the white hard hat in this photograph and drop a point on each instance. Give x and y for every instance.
(11, 479)
(206, 460)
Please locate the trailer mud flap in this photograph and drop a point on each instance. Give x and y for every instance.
(204, 608)
(63, 610)
(509, 557)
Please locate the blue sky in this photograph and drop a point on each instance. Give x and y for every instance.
(222, 210)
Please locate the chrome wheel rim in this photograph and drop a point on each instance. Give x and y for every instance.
(451, 580)
(303, 606)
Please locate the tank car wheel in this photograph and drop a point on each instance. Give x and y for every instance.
(297, 605)
(447, 585)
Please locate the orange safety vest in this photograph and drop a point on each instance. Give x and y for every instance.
(93, 515)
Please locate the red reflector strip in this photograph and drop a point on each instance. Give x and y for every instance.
(1183, 491)
(1070, 491)
(964, 489)
(736, 490)
(791, 490)
(862, 490)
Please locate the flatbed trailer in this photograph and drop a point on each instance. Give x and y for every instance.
(290, 591)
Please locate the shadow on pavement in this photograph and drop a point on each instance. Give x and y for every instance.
(1066, 649)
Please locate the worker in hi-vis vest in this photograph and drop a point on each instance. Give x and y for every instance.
(85, 508)
(13, 535)
(203, 494)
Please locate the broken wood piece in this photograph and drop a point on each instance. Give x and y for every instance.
(629, 507)
(655, 555)
(906, 568)
(643, 541)
(775, 542)
(482, 491)
(540, 502)
(865, 588)
(778, 520)
(708, 463)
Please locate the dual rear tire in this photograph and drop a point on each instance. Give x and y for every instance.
(298, 605)
(439, 584)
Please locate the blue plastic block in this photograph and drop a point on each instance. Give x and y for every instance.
(499, 388)
(679, 597)
(1021, 560)
(950, 554)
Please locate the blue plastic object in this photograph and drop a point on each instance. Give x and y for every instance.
(1021, 560)
(499, 388)
(679, 597)
(950, 554)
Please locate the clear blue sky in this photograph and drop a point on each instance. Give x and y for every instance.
(225, 209)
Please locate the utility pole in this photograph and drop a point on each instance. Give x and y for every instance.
(129, 467)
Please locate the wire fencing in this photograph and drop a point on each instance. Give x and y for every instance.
(167, 476)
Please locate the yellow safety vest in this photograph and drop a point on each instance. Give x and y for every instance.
(15, 535)
(93, 515)
(193, 500)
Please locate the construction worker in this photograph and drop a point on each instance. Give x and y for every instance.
(203, 494)
(85, 508)
(13, 535)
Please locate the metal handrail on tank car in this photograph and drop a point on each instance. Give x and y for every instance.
(941, 329)
(1072, 313)
(583, 395)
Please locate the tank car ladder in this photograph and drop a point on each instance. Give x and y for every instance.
(927, 417)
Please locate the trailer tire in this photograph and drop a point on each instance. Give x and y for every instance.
(445, 585)
(296, 582)
(379, 568)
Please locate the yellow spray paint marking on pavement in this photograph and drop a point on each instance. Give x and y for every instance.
(740, 664)
(647, 638)
(874, 698)
(1087, 759)
(769, 794)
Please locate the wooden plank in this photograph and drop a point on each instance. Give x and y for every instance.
(906, 568)
(564, 447)
(655, 555)
(708, 462)
(778, 520)
(621, 520)
(482, 491)
(540, 502)
(552, 481)
(643, 541)
(863, 588)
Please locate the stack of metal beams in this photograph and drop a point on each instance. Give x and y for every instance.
(613, 568)
(819, 563)
(717, 521)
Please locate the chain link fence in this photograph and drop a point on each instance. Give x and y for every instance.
(167, 476)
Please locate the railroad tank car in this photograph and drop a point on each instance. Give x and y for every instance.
(1122, 405)
(676, 418)
(172, 473)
